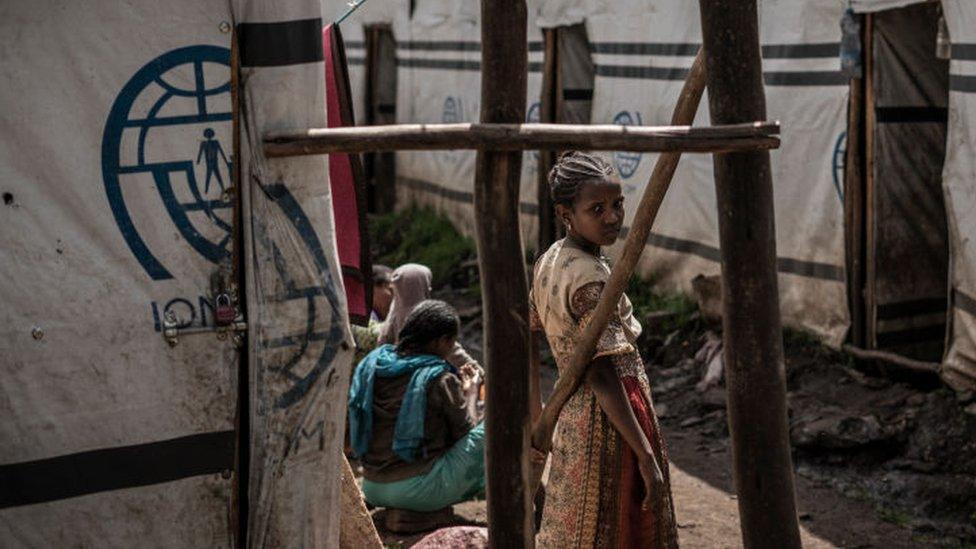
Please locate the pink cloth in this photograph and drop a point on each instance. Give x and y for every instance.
(455, 537)
(345, 180)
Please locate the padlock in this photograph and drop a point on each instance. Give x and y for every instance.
(224, 310)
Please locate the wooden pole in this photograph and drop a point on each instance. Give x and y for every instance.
(548, 113)
(753, 341)
(519, 137)
(505, 293)
(651, 200)
(897, 360)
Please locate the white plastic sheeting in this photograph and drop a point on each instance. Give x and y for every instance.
(110, 436)
(300, 344)
(959, 182)
(638, 81)
(439, 81)
(866, 6)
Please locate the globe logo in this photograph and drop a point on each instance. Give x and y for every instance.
(838, 163)
(169, 130)
(452, 110)
(627, 162)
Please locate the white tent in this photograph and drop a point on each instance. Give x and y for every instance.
(118, 140)
(641, 50)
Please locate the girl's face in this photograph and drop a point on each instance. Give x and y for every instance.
(597, 215)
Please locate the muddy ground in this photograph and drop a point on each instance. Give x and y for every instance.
(882, 460)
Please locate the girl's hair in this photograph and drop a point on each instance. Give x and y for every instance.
(571, 171)
(429, 320)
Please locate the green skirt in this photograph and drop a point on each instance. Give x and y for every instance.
(458, 475)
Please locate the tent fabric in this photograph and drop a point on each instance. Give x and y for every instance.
(959, 185)
(439, 81)
(299, 337)
(346, 180)
(109, 220)
(908, 286)
(638, 81)
(867, 6)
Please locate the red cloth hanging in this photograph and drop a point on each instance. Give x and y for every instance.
(347, 183)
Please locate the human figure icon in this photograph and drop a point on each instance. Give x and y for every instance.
(209, 149)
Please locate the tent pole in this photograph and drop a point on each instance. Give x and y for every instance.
(756, 377)
(501, 263)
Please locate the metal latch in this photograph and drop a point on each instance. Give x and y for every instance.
(228, 318)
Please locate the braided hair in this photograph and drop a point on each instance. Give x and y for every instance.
(428, 321)
(572, 170)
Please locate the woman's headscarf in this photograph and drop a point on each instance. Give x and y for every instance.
(411, 285)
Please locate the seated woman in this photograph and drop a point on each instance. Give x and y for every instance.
(420, 447)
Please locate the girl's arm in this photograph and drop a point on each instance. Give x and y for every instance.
(602, 379)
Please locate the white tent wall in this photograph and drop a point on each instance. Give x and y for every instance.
(300, 344)
(959, 183)
(110, 436)
(867, 6)
(638, 82)
(439, 81)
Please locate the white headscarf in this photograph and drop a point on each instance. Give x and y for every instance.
(411, 285)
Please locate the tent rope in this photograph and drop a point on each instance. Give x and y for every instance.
(353, 6)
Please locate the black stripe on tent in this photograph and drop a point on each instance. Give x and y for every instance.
(280, 44)
(964, 52)
(446, 64)
(454, 195)
(964, 302)
(459, 45)
(801, 51)
(911, 115)
(965, 84)
(577, 94)
(807, 78)
(687, 49)
(646, 48)
(786, 265)
(108, 469)
(452, 64)
(354, 61)
(914, 307)
(642, 72)
(899, 338)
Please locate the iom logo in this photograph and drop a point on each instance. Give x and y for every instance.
(838, 163)
(453, 110)
(168, 135)
(627, 162)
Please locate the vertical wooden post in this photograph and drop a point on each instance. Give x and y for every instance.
(504, 61)
(762, 467)
(854, 189)
(548, 113)
(870, 242)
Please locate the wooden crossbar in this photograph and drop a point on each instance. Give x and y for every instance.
(514, 137)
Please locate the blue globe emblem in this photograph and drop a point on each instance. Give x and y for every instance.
(838, 163)
(534, 116)
(627, 162)
(452, 110)
(169, 130)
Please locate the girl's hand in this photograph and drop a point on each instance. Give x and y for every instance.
(653, 479)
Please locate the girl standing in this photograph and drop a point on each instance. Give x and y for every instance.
(608, 482)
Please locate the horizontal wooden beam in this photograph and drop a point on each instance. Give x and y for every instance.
(516, 137)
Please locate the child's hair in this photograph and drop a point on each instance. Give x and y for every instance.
(382, 274)
(571, 171)
(429, 320)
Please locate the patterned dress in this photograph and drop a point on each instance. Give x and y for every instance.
(595, 489)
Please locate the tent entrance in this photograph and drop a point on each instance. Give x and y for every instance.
(381, 91)
(904, 219)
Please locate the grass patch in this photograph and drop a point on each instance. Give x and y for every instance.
(646, 301)
(420, 235)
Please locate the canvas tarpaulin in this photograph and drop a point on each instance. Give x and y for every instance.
(439, 81)
(959, 184)
(866, 6)
(116, 146)
(642, 53)
(300, 344)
